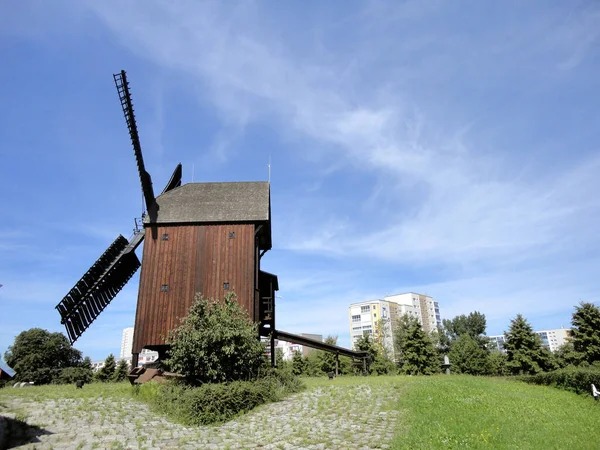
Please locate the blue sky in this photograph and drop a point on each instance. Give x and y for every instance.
(447, 148)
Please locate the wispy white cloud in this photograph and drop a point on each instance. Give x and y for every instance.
(425, 131)
(469, 206)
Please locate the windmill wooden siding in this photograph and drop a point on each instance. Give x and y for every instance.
(193, 258)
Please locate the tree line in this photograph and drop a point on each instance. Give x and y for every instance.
(43, 357)
(463, 339)
(216, 343)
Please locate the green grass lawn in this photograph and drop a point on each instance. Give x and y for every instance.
(441, 412)
(54, 392)
(447, 412)
(489, 412)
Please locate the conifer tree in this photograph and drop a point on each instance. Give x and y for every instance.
(414, 348)
(523, 348)
(299, 365)
(122, 371)
(107, 372)
(586, 332)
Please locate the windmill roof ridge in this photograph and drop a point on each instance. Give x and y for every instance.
(238, 201)
(227, 182)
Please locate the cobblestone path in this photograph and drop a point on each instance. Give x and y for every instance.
(328, 417)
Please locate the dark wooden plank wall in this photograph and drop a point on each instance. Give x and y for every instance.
(193, 259)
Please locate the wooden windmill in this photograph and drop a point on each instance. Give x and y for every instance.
(205, 238)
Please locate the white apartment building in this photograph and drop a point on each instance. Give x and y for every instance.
(373, 318)
(378, 317)
(145, 357)
(551, 339)
(423, 307)
(97, 365)
(126, 343)
(289, 349)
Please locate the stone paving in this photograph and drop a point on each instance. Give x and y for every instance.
(357, 417)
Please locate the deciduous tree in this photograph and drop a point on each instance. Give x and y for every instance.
(497, 363)
(38, 355)
(567, 356)
(473, 325)
(466, 356)
(380, 364)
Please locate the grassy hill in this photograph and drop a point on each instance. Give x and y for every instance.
(447, 412)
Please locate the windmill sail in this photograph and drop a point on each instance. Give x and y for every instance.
(99, 285)
(127, 106)
(109, 274)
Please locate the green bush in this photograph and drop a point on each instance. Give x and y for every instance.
(213, 403)
(574, 379)
(70, 375)
(216, 342)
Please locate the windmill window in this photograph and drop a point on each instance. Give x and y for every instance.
(231, 234)
(164, 288)
(225, 285)
(165, 237)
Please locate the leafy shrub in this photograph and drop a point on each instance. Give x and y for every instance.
(70, 375)
(467, 356)
(574, 379)
(497, 363)
(216, 342)
(39, 376)
(213, 403)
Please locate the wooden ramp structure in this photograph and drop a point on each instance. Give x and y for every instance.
(363, 357)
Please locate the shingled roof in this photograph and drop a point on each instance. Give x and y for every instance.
(215, 202)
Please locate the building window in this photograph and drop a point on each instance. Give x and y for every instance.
(164, 288)
(356, 318)
(367, 332)
(356, 328)
(231, 234)
(225, 285)
(365, 309)
(165, 237)
(366, 327)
